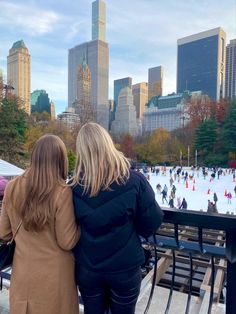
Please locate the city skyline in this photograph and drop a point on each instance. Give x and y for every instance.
(138, 39)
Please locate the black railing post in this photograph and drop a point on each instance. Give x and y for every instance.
(231, 288)
(230, 253)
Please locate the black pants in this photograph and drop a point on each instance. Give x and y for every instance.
(115, 293)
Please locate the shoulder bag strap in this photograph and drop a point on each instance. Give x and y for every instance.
(17, 229)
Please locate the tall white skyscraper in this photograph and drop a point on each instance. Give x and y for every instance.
(99, 20)
(125, 119)
(97, 56)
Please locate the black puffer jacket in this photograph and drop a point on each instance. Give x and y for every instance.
(111, 222)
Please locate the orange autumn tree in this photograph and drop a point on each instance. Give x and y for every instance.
(199, 108)
(155, 148)
(127, 146)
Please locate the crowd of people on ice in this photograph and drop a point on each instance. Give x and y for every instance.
(177, 173)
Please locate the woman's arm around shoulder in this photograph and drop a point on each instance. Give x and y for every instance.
(149, 215)
(67, 232)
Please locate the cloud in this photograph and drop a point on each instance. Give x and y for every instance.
(31, 20)
(144, 33)
(141, 34)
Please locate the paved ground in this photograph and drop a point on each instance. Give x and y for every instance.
(4, 305)
(158, 304)
(178, 304)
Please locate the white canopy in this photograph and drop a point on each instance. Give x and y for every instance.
(9, 170)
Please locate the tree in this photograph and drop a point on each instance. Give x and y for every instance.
(12, 129)
(71, 161)
(52, 127)
(41, 116)
(205, 137)
(127, 146)
(199, 108)
(154, 148)
(229, 129)
(221, 109)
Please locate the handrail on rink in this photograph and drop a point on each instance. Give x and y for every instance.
(201, 221)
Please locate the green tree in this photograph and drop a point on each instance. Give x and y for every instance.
(205, 138)
(71, 161)
(229, 130)
(12, 129)
(41, 116)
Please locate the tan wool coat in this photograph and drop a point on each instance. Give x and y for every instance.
(42, 280)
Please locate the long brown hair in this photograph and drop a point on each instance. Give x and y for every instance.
(48, 169)
(99, 163)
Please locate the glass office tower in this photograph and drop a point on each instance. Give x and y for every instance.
(230, 81)
(201, 63)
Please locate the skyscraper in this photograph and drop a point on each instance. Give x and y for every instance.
(97, 58)
(40, 101)
(125, 120)
(18, 73)
(230, 80)
(140, 94)
(118, 86)
(99, 20)
(201, 63)
(52, 109)
(1, 85)
(83, 105)
(155, 81)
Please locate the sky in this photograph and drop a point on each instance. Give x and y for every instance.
(141, 34)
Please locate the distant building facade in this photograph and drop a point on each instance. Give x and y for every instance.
(53, 111)
(230, 81)
(111, 110)
(83, 106)
(155, 81)
(40, 101)
(119, 84)
(97, 58)
(69, 117)
(18, 73)
(126, 118)
(201, 63)
(140, 95)
(166, 112)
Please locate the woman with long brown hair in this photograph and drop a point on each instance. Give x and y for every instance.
(42, 278)
(113, 206)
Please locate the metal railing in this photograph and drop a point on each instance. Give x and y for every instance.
(201, 221)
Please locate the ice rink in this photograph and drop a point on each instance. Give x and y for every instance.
(197, 197)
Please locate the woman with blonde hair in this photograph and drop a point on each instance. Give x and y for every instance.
(40, 203)
(113, 206)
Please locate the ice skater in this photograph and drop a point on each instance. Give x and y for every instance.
(215, 198)
(171, 202)
(184, 204)
(178, 202)
(229, 197)
(164, 195)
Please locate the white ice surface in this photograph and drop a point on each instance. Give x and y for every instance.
(198, 199)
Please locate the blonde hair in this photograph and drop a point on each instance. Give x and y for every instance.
(48, 169)
(99, 163)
